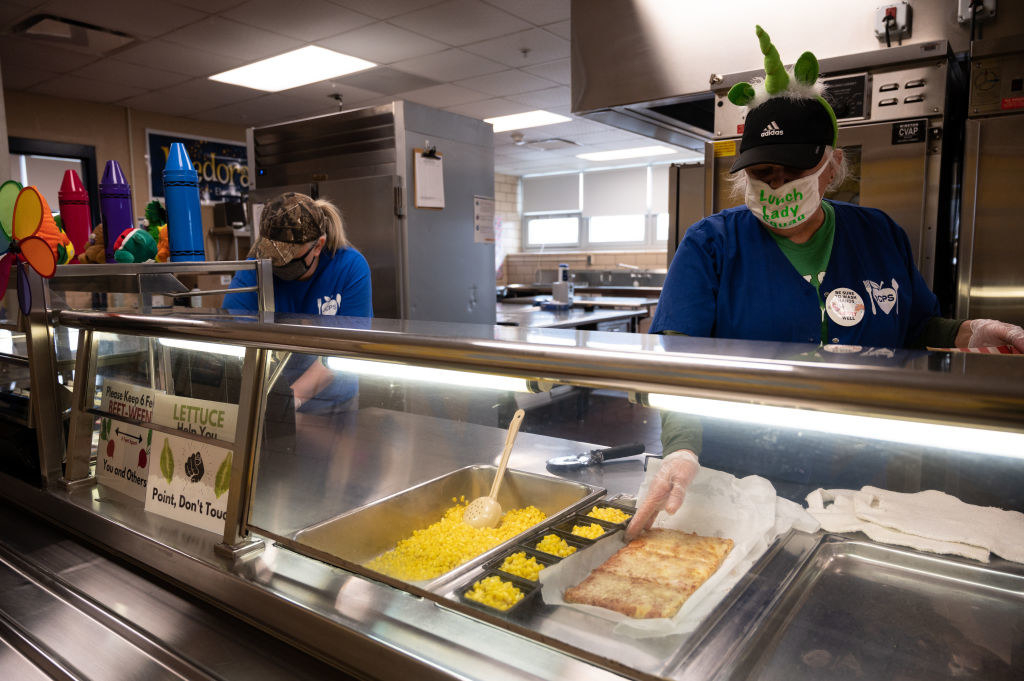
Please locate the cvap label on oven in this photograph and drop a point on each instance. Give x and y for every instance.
(908, 132)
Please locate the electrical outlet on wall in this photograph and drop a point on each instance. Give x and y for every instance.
(986, 10)
(897, 18)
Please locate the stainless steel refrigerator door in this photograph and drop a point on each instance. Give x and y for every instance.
(368, 208)
(990, 281)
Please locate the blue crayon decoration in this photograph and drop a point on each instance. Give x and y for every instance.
(115, 206)
(184, 220)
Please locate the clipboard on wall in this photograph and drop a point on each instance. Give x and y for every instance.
(428, 178)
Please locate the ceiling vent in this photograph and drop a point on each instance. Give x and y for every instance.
(552, 144)
(71, 34)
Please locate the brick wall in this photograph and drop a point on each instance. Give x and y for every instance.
(508, 234)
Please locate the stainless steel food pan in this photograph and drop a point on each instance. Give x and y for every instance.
(366, 532)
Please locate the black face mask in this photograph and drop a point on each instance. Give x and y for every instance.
(296, 268)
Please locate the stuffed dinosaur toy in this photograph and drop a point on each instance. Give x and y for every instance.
(135, 245)
(800, 82)
(156, 224)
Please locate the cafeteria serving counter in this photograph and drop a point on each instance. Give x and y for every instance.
(424, 401)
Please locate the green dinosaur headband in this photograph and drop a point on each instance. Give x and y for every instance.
(777, 82)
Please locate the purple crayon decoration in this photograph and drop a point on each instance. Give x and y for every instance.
(184, 220)
(115, 206)
(74, 210)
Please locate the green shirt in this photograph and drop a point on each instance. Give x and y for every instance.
(811, 257)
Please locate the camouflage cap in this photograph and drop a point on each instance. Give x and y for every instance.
(288, 224)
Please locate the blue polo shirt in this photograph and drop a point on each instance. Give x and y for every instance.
(729, 279)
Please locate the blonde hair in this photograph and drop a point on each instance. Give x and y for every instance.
(333, 225)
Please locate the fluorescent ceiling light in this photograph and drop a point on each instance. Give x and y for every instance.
(530, 119)
(618, 154)
(206, 348)
(998, 443)
(299, 67)
(405, 372)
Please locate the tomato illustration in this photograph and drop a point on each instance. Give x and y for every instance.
(142, 458)
(110, 448)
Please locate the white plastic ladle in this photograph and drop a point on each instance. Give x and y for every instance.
(486, 511)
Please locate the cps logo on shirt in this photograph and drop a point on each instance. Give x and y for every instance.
(328, 305)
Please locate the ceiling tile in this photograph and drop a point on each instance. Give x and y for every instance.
(382, 43)
(76, 87)
(318, 92)
(161, 103)
(18, 77)
(552, 98)
(522, 49)
(142, 19)
(441, 96)
(306, 20)
(178, 58)
(39, 54)
(267, 109)
(449, 65)
(559, 71)
(489, 108)
(384, 9)
(117, 71)
(537, 12)
(562, 29)
(506, 83)
(458, 22)
(232, 39)
(210, 6)
(212, 92)
(386, 81)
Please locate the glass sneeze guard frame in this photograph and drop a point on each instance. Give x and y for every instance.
(842, 388)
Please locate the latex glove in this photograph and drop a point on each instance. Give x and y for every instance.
(667, 490)
(990, 332)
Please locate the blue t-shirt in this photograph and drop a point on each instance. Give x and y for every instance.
(729, 279)
(340, 286)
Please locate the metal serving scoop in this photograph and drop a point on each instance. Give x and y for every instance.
(486, 511)
(593, 457)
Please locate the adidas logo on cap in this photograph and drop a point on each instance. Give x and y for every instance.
(772, 129)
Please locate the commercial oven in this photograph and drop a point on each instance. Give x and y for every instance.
(990, 276)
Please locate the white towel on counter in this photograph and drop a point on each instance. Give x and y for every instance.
(929, 521)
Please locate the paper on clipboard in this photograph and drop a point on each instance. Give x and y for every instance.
(428, 180)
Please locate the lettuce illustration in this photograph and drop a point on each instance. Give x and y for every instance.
(223, 479)
(167, 462)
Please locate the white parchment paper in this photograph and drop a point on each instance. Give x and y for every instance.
(717, 504)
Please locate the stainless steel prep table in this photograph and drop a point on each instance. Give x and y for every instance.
(385, 629)
(510, 314)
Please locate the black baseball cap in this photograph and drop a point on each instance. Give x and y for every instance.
(789, 132)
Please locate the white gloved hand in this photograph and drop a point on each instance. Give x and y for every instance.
(990, 333)
(667, 490)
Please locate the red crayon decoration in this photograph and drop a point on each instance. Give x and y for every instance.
(74, 210)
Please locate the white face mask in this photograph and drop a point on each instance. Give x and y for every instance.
(788, 206)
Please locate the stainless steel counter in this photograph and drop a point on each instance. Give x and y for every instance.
(68, 612)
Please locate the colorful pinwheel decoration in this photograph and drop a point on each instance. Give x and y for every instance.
(28, 234)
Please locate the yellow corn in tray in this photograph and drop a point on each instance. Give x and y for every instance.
(521, 565)
(449, 542)
(495, 592)
(609, 514)
(555, 545)
(591, 531)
